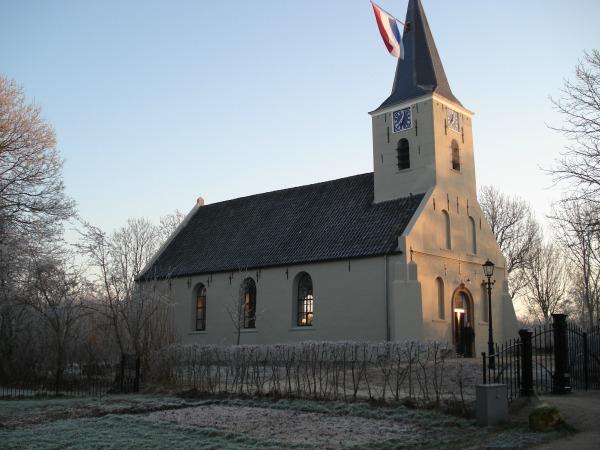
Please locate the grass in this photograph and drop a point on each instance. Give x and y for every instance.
(126, 431)
(96, 405)
(118, 422)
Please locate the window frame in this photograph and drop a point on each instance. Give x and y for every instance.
(249, 304)
(304, 301)
(200, 312)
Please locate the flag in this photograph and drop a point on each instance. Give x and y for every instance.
(389, 32)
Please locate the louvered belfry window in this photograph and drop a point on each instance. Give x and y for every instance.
(403, 151)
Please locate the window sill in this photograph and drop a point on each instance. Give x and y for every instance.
(198, 332)
(439, 321)
(248, 330)
(310, 328)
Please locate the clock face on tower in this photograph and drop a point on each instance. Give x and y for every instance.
(452, 120)
(402, 119)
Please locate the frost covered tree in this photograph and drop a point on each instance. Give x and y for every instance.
(137, 312)
(33, 206)
(577, 232)
(546, 281)
(579, 105)
(56, 293)
(515, 229)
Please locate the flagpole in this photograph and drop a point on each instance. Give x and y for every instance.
(399, 21)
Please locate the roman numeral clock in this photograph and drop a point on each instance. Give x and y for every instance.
(402, 119)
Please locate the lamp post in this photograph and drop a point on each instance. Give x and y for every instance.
(488, 270)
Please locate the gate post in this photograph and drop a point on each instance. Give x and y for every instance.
(561, 380)
(526, 363)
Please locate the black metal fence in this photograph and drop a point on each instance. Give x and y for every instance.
(584, 357)
(77, 380)
(552, 358)
(505, 366)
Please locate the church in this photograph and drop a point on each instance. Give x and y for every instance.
(393, 254)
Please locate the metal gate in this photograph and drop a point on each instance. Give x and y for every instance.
(552, 358)
(584, 357)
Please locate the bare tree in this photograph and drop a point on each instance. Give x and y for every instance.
(31, 185)
(514, 227)
(579, 104)
(56, 294)
(237, 307)
(576, 221)
(33, 206)
(138, 312)
(546, 280)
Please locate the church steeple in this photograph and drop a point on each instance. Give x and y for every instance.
(421, 71)
(422, 135)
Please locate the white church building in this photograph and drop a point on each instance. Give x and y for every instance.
(393, 254)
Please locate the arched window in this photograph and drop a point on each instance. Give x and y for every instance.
(484, 303)
(440, 298)
(473, 233)
(455, 155)
(249, 299)
(448, 242)
(200, 308)
(305, 301)
(403, 151)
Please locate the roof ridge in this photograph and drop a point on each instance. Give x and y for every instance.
(288, 189)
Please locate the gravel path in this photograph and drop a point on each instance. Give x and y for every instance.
(289, 426)
(582, 411)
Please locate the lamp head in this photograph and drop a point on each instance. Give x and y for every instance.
(488, 268)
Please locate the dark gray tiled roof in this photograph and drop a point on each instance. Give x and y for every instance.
(318, 222)
(421, 71)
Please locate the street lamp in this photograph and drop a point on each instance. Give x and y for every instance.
(488, 270)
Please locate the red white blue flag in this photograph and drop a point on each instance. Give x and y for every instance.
(389, 32)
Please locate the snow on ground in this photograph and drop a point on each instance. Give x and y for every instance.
(296, 427)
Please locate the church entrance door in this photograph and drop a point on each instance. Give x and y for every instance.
(462, 320)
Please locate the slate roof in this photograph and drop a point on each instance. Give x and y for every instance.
(421, 71)
(318, 222)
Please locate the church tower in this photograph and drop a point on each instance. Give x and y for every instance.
(421, 133)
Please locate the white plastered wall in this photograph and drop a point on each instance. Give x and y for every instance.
(349, 303)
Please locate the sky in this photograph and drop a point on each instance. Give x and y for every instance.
(155, 103)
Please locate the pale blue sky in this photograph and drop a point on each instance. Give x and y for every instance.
(157, 102)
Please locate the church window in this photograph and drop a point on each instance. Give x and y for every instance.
(455, 155)
(200, 308)
(249, 303)
(305, 301)
(403, 151)
(473, 233)
(441, 307)
(448, 243)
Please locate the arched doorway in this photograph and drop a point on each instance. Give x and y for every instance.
(462, 321)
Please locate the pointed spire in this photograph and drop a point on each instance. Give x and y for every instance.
(421, 71)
